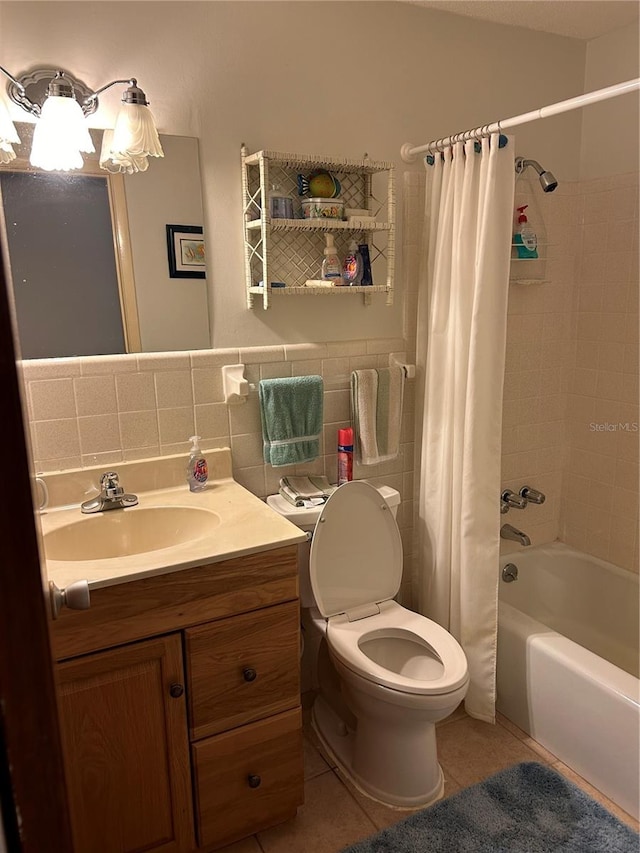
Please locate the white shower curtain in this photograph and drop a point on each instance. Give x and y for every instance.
(462, 317)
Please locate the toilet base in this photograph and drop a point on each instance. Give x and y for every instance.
(339, 741)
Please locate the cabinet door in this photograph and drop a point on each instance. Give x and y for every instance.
(124, 733)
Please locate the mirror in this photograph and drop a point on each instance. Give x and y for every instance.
(93, 272)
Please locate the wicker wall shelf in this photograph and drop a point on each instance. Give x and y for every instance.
(317, 225)
(291, 250)
(322, 291)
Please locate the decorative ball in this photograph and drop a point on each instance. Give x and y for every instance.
(322, 184)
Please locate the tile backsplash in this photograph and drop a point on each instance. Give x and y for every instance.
(105, 410)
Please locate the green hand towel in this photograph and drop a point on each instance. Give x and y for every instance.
(291, 414)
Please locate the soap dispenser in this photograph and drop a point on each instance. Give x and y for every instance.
(331, 266)
(197, 470)
(525, 239)
(352, 267)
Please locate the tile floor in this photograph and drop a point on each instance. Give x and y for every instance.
(335, 815)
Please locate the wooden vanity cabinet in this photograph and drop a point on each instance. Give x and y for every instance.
(182, 727)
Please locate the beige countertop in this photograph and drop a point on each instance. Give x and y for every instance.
(241, 524)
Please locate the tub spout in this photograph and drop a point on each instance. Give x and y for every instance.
(509, 532)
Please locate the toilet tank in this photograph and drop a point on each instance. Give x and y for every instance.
(305, 518)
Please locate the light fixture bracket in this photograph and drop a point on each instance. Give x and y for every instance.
(31, 90)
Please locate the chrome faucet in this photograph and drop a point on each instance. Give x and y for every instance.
(510, 498)
(509, 532)
(112, 495)
(532, 496)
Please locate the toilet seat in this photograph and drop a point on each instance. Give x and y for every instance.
(438, 666)
(356, 569)
(356, 551)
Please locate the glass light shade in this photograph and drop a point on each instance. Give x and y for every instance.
(135, 132)
(115, 163)
(60, 135)
(8, 132)
(7, 154)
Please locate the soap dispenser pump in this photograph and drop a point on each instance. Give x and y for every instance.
(525, 239)
(197, 469)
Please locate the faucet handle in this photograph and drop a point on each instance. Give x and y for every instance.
(532, 495)
(513, 500)
(110, 485)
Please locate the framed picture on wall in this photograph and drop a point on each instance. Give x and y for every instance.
(185, 250)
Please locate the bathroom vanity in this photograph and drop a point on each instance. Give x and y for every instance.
(179, 690)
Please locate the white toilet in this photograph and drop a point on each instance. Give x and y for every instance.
(386, 675)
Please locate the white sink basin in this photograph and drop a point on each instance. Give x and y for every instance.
(125, 532)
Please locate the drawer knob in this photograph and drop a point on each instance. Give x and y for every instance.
(249, 674)
(176, 691)
(254, 781)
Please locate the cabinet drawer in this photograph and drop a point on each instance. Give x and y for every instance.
(160, 604)
(243, 668)
(248, 779)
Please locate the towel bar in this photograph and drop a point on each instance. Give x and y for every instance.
(237, 388)
(409, 369)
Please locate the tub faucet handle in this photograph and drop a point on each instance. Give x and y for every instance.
(513, 500)
(533, 496)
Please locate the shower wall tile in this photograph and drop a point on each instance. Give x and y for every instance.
(602, 415)
(570, 410)
(539, 357)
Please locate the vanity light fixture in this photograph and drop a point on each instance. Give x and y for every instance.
(61, 104)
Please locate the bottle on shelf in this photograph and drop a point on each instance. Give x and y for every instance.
(331, 266)
(367, 277)
(352, 266)
(280, 204)
(525, 239)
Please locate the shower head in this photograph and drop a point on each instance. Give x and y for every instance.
(547, 179)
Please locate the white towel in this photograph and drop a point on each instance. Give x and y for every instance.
(376, 413)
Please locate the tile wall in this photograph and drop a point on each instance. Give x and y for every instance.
(571, 381)
(599, 511)
(538, 359)
(105, 410)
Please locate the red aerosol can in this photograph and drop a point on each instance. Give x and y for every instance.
(345, 455)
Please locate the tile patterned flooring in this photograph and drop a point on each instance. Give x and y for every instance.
(335, 814)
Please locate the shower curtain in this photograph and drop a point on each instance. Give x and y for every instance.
(462, 318)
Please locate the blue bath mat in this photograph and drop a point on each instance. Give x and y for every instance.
(527, 808)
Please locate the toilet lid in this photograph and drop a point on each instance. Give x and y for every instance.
(356, 550)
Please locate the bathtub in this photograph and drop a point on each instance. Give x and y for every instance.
(567, 668)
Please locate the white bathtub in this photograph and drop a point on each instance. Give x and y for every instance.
(568, 664)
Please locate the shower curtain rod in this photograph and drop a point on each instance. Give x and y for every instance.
(409, 152)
